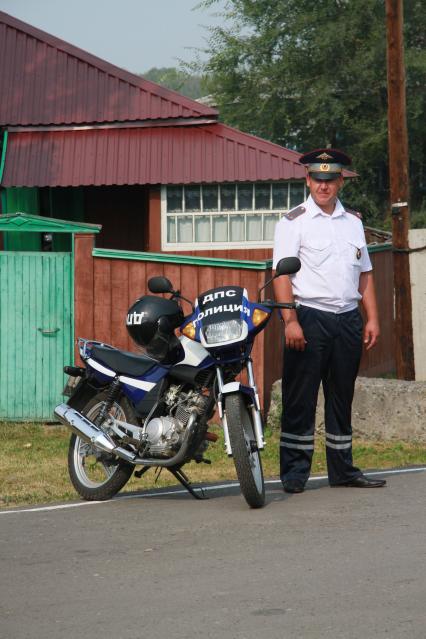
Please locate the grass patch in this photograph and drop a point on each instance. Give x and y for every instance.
(33, 463)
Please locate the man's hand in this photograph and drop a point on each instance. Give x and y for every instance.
(294, 337)
(369, 302)
(371, 334)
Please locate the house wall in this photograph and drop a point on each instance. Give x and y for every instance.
(417, 240)
(153, 222)
(154, 237)
(20, 200)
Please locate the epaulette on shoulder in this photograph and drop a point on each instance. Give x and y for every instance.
(291, 215)
(356, 213)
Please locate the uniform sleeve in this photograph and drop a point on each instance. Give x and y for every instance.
(286, 240)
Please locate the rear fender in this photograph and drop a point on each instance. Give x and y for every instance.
(84, 391)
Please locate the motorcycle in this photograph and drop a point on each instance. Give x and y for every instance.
(128, 410)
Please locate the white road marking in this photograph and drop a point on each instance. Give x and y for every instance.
(160, 493)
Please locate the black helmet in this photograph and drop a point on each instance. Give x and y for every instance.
(151, 322)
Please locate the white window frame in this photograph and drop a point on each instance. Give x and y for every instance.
(195, 246)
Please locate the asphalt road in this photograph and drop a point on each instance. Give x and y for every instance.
(335, 563)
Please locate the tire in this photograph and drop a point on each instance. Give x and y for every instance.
(246, 457)
(96, 475)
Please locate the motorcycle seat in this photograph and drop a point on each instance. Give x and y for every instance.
(122, 362)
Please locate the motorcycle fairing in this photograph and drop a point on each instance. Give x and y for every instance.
(195, 354)
(220, 305)
(136, 387)
(217, 304)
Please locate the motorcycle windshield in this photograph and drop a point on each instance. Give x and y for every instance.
(221, 314)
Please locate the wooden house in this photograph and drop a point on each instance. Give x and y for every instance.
(87, 147)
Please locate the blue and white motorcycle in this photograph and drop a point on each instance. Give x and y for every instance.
(148, 410)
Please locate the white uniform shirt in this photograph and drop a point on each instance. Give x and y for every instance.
(333, 253)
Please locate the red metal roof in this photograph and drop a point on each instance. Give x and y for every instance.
(45, 80)
(158, 155)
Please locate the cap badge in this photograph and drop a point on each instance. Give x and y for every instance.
(324, 156)
(324, 167)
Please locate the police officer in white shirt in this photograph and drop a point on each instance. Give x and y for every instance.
(324, 335)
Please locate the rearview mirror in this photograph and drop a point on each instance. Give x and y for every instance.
(160, 284)
(287, 266)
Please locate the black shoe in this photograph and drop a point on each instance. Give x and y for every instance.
(364, 482)
(293, 486)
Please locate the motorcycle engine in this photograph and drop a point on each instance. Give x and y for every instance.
(164, 434)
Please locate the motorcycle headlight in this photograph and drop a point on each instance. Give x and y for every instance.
(223, 331)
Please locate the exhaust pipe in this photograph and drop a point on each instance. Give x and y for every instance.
(92, 434)
(84, 428)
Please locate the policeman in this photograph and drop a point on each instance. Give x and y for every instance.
(324, 335)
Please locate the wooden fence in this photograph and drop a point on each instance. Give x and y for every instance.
(107, 282)
(381, 359)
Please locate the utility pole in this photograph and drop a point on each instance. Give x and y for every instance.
(399, 189)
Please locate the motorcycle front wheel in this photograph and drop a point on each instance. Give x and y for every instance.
(97, 475)
(245, 453)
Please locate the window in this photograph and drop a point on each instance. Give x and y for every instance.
(226, 215)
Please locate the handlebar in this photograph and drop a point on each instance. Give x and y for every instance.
(271, 304)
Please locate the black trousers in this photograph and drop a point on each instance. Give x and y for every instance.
(331, 356)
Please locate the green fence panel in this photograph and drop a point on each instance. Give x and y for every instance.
(36, 316)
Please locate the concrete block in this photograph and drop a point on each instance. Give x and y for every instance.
(383, 409)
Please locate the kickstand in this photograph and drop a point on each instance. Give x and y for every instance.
(184, 480)
(142, 471)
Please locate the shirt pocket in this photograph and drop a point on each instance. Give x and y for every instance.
(318, 250)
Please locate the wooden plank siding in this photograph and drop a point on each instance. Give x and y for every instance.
(248, 254)
(106, 286)
(381, 359)
(36, 329)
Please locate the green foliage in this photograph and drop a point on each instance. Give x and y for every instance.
(308, 74)
(186, 83)
(418, 217)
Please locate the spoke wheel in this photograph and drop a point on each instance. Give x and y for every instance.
(248, 463)
(97, 475)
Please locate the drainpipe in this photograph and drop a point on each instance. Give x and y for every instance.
(2, 163)
(3, 155)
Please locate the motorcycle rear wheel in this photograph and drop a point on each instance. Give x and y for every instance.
(96, 475)
(248, 463)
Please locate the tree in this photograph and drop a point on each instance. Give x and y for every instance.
(306, 74)
(172, 78)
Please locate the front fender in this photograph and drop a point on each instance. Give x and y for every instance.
(237, 387)
(250, 399)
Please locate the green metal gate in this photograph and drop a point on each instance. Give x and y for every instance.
(36, 336)
(36, 313)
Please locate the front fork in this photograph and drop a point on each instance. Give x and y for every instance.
(251, 392)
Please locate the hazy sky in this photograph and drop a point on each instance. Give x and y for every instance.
(134, 34)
